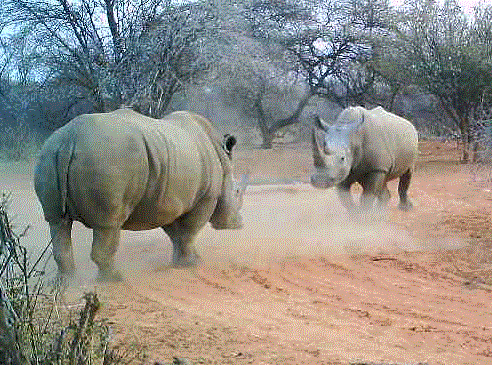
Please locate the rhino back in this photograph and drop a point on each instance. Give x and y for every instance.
(183, 169)
(389, 143)
(124, 169)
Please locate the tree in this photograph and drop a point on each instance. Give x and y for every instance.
(329, 41)
(320, 45)
(445, 55)
(262, 87)
(136, 52)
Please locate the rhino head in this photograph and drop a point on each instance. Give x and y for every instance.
(332, 154)
(226, 214)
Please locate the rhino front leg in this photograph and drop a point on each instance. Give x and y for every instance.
(183, 231)
(62, 248)
(403, 185)
(343, 192)
(373, 187)
(105, 242)
(184, 254)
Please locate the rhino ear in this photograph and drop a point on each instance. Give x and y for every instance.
(228, 143)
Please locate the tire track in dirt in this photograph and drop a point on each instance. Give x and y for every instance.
(311, 303)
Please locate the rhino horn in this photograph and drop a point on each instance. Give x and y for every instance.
(317, 150)
(320, 123)
(241, 188)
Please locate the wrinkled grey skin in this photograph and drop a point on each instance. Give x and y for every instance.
(122, 170)
(370, 147)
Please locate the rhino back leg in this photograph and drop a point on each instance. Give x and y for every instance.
(403, 185)
(61, 239)
(183, 231)
(105, 243)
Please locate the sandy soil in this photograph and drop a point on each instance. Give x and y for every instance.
(302, 282)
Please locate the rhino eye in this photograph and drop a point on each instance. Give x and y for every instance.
(342, 159)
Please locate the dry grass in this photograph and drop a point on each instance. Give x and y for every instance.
(34, 327)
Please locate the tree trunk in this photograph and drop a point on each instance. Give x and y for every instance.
(394, 92)
(267, 140)
(268, 132)
(465, 138)
(463, 123)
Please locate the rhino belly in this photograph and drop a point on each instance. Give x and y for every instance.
(145, 218)
(156, 210)
(402, 165)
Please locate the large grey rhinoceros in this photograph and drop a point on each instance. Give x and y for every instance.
(123, 170)
(370, 147)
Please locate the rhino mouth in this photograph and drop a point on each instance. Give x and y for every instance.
(236, 223)
(322, 181)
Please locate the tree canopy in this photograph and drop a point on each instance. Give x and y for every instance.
(270, 57)
(136, 52)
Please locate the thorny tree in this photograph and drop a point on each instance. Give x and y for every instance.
(446, 55)
(136, 52)
(327, 45)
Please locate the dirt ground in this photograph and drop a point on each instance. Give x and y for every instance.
(303, 283)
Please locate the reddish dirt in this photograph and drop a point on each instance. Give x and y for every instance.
(317, 307)
(302, 283)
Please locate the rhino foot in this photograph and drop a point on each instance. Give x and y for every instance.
(405, 206)
(187, 261)
(109, 276)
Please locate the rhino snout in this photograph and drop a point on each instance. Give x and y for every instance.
(231, 223)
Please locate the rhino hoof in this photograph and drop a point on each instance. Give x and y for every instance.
(190, 260)
(113, 276)
(405, 206)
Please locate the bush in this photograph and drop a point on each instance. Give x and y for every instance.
(31, 332)
(18, 142)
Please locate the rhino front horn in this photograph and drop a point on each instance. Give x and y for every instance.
(242, 187)
(317, 151)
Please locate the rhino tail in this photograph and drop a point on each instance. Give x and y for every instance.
(63, 159)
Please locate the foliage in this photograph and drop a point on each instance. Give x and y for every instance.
(328, 41)
(31, 332)
(18, 142)
(267, 58)
(298, 49)
(104, 47)
(176, 47)
(444, 54)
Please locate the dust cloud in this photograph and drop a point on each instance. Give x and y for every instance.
(280, 222)
(283, 221)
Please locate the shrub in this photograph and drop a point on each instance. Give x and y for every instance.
(30, 330)
(18, 142)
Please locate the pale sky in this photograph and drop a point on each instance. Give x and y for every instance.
(466, 5)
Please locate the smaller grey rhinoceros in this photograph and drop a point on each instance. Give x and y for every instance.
(370, 147)
(123, 170)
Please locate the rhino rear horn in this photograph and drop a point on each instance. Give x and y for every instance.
(320, 123)
(241, 187)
